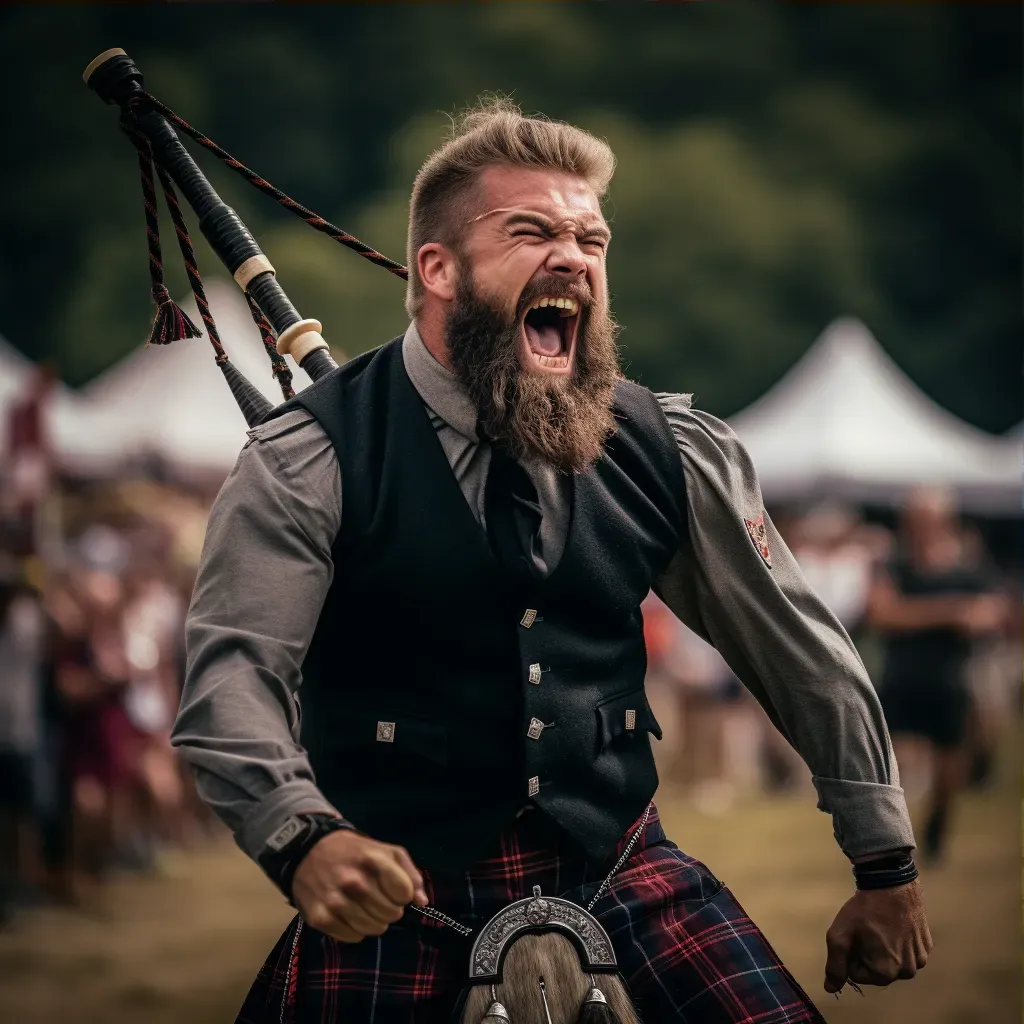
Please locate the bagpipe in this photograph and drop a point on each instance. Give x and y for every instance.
(153, 129)
(552, 959)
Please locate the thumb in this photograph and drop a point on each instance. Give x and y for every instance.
(837, 965)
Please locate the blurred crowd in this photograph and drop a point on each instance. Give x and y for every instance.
(95, 578)
(94, 583)
(936, 619)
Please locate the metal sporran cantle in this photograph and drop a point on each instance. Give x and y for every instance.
(543, 960)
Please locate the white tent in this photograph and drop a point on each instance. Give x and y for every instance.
(15, 372)
(846, 422)
(83, 437)
(175, 400)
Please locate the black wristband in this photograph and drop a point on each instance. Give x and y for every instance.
(885, 872)
(280, 864)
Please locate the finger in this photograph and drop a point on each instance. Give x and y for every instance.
(908, 969)
(355, 917)
(324, 921)
(867, 974)
(394, 880)
(351, 915)
(342, 933)
(405, 861)
(365, 892)
(837, 963)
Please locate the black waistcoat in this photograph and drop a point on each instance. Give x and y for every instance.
(431, 673)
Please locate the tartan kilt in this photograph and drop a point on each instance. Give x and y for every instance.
(686, 949)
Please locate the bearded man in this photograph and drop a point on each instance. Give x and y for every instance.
(446, 542)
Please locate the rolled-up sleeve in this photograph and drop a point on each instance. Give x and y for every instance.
(265, 571)
(778, 637)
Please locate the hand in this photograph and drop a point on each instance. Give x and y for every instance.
(350, 886)
(879, 936)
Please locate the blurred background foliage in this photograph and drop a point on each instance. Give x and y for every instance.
(778, 166)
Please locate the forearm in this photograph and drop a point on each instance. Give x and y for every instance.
(238, 728)
(780, 640)
(799, 664)
(265, 572)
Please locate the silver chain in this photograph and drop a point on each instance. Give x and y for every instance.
(622, 860)
(436, 915)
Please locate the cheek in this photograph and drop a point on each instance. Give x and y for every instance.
(513, 271)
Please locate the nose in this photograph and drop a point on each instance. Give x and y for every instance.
(566, 260)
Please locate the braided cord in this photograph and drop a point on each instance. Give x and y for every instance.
(278, 367)
(188, 255)
(314, 220)
(177, 324)
(171, 322)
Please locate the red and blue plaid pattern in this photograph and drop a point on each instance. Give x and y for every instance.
(685, 947)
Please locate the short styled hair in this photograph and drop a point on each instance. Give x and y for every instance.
(493, 133)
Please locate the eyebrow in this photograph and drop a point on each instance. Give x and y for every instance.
(545, 225)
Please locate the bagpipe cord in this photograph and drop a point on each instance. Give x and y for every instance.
(171, 323)
(314, 220)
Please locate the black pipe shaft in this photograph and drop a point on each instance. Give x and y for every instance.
(118, 81)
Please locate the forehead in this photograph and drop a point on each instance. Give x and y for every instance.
(557, 195)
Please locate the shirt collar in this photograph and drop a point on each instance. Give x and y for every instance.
(439, 388)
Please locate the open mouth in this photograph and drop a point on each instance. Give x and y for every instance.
(549, 334)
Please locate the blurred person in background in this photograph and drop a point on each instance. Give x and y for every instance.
(101, 743)
(837, 553)
(22, 647)
(934, 599)
(28, 468)
(723, 727)
(153, 623)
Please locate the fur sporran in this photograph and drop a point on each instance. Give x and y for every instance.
(544, 983)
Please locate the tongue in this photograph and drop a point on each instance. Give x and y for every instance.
(545, 340)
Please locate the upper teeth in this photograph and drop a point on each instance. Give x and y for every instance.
(566, 304)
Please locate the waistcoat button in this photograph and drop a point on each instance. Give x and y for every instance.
(529, 618)
(536, 728)
(533, 786)
(631, 719)
(535, 672)
(385, 732)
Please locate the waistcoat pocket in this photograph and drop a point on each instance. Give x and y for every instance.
(626, 714)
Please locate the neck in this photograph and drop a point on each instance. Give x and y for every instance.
(431, 325)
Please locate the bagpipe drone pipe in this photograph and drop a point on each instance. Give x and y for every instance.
(153, 129)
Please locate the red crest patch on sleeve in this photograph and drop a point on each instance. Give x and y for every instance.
(759, 535)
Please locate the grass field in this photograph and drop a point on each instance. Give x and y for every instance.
(184, 949)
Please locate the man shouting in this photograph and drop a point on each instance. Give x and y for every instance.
(440, 551)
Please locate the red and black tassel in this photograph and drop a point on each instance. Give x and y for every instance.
(171, 322)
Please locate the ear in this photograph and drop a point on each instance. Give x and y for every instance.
(437, 269)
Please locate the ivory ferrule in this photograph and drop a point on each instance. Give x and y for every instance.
(114, 51)
(252, 267)
(300, 339)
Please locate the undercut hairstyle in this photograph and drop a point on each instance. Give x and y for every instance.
(494, 133)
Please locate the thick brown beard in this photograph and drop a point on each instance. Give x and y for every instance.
(563, 421)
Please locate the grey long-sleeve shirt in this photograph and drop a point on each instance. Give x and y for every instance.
(267, 567)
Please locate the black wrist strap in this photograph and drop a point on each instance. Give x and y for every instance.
(280, 865)
(885, 872)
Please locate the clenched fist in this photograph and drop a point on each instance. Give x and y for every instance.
(880, 936)
(350, 886)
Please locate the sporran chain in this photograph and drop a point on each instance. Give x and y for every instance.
(436, 915)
